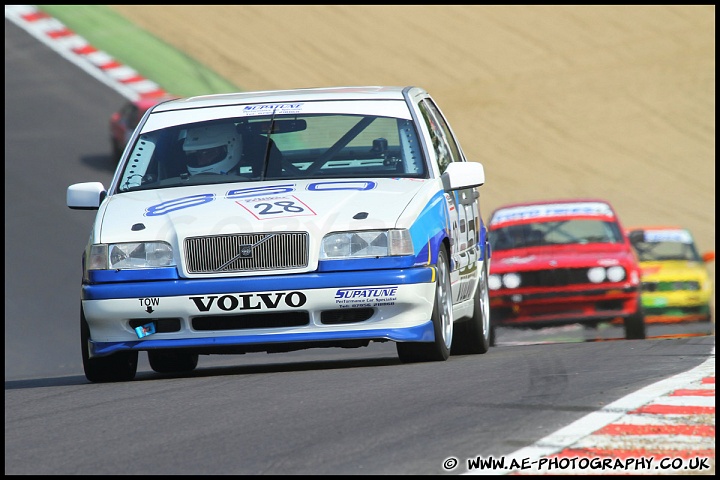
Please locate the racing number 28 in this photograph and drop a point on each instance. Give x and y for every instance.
(284, 206)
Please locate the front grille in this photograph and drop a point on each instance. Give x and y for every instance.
(688, 285)
(246, 252)
(346, 315)
(162, 325)
(557, 277)
(251, 321)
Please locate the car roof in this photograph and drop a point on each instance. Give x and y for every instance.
(292, 95)
(655, 227)
(659, 228)
(524, 212)
(668, 232)
(552, 202)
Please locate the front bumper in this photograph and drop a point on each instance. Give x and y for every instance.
(261, 313)
(544, 308)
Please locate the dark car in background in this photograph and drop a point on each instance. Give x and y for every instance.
(124, 121)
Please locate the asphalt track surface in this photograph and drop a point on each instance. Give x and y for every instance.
(314, 412)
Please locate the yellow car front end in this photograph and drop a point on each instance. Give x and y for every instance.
(676, 284)
(675, 291)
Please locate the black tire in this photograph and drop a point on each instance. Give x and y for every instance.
(442, 319)
(117, 150)
(635, 327)
(172, 361)
(709, 316)
(118, 367)
(474, 336)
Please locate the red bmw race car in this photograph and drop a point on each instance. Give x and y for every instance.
(563, 262)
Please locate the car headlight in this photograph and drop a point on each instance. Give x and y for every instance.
(130, 255)
(596, 274)
(368, 243)
(616, 273)
(611, 274)
(494, 282)
(511, 280)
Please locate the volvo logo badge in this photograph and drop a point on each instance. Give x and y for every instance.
(246, 251)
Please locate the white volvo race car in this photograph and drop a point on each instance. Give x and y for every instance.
(283, 220)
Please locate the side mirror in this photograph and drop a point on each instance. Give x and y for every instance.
(86, 196)
(459, 175)
(708, 257)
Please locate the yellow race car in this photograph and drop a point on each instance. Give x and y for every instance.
(676, 285)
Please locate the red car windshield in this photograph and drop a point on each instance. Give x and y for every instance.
(565, 232)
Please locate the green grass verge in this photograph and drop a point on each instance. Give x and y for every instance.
(152, 58)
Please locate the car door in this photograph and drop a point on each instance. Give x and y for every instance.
(464, 252)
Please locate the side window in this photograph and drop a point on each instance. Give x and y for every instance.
(444, 144)
(140, 159)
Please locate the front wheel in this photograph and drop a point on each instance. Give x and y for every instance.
(635, 326)
(475, 335)
(117, 150)
(709, 316)
(118, 367)
(442, 319)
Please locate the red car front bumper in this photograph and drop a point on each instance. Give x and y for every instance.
(542, 307)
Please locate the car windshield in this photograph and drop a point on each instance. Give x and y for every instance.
(658, 246)
(564, 232)
(265, 147)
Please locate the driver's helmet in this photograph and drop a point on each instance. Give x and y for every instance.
(212, 149)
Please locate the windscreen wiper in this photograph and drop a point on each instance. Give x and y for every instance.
(266, 156)
(340, 144)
